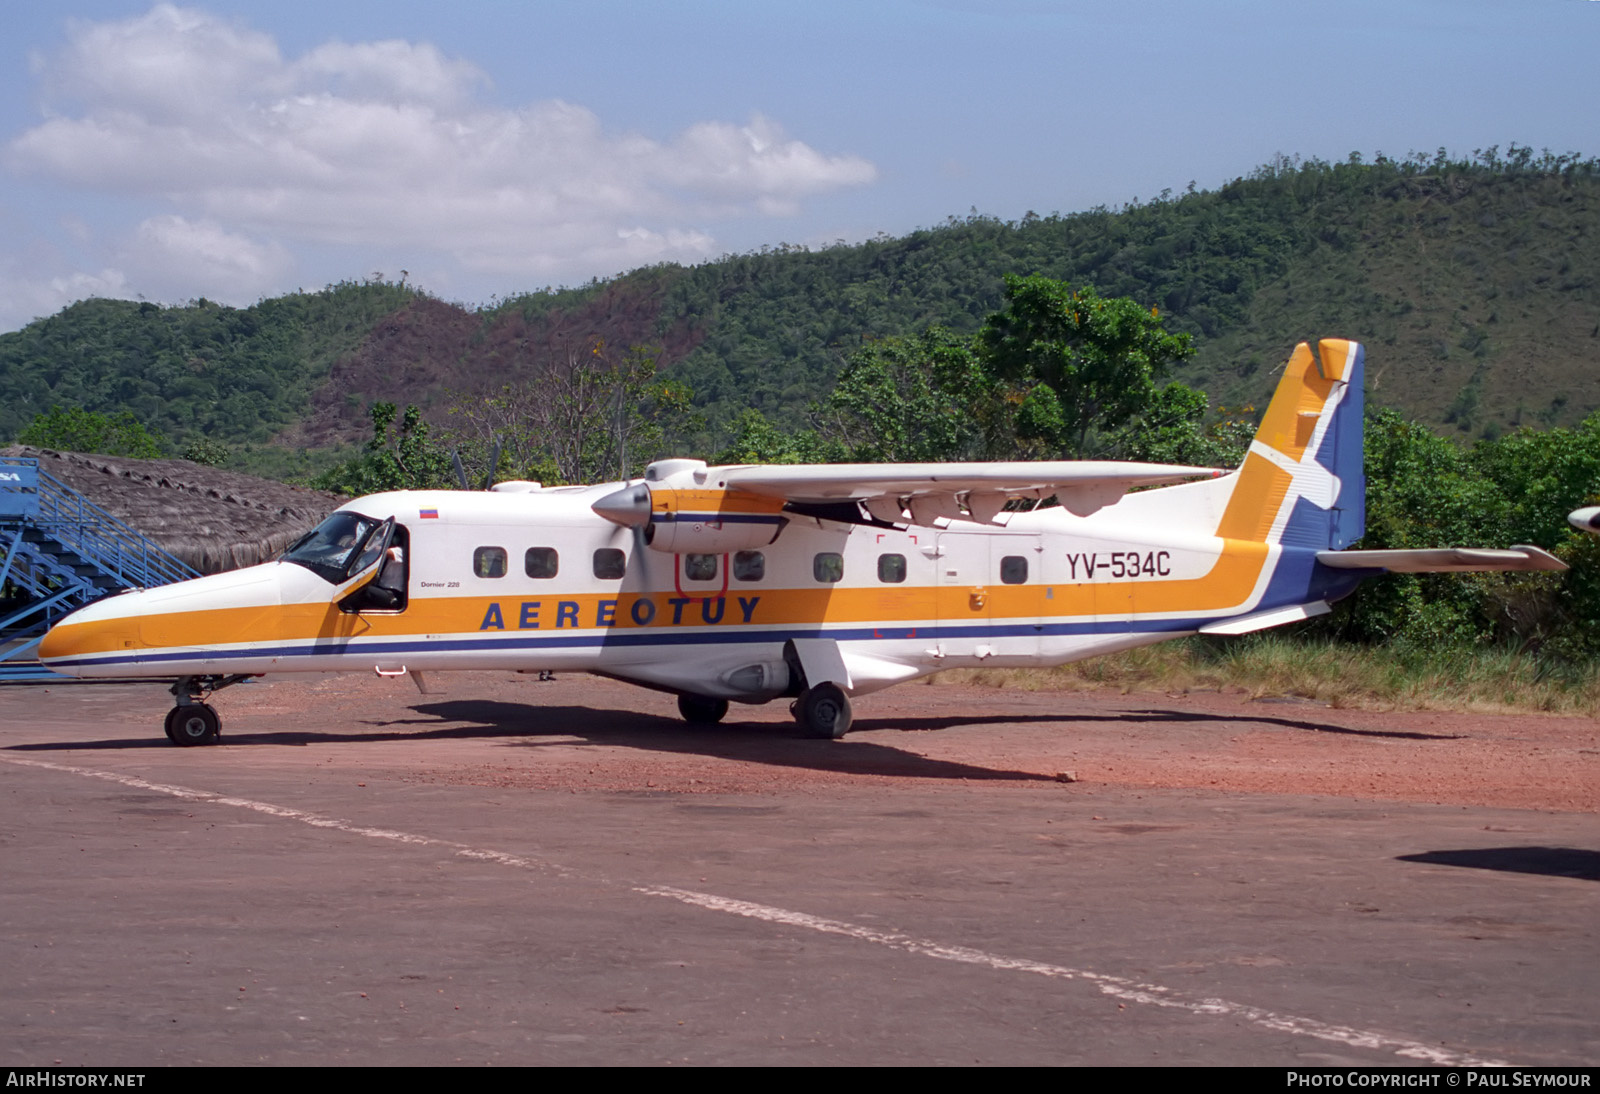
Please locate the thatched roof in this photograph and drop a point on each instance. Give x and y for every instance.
(213, 520)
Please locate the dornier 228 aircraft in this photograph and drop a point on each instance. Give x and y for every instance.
(820, 583)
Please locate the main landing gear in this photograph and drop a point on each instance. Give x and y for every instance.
(702, 710)
(192, 722)
(823, 711)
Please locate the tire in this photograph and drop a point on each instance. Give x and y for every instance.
(701, 709)
(824, 712)
(196, 724)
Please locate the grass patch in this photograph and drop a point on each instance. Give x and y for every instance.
(1359, 677)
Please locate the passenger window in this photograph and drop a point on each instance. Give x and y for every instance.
(892, 568)
(749, 565)
(1014, 570)
(610, 564)
(828, 566)
(489, 562)
(541, 562)
(700, 567)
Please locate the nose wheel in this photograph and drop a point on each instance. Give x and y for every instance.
(193, 724)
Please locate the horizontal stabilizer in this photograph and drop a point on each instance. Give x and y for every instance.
(1444, 560)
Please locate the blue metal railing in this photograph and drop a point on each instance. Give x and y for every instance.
(62, 551)
(116, 548)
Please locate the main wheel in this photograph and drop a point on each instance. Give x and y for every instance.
(196, 724)
(824, 711)
(702, 709)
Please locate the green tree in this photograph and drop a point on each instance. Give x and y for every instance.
(403, 458)
(204, 450)
(1544, 475)
(587, 414)
(917, 398)
(757, 440)
(77, 430)
(1422, 491)
(1099, 357)
(1178, 427)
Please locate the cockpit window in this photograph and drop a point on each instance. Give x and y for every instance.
(337, 547)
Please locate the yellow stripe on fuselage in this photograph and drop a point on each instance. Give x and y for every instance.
(1228, 584)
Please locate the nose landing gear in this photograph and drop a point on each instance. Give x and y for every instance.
(192, 722)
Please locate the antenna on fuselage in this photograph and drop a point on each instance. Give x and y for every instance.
(494, 465)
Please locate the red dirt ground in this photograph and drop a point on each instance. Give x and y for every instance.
(586, 734)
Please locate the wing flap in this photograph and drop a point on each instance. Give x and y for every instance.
(922, 492)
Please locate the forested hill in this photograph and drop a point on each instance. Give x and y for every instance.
(1475, 284)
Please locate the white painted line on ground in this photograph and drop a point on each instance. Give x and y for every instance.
(1115, 986)
(316, 820)
(1118, 987)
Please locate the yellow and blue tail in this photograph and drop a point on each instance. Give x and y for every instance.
(1302, 488)
(1302, 483)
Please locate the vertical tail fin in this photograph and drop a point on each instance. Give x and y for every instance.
(1302, 483)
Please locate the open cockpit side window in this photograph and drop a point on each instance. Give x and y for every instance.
(387, 591)
(341, 546)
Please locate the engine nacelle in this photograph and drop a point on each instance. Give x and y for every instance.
(758, 682)
(704, 534)
(683, 512)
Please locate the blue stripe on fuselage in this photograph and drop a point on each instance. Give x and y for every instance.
(742, 636)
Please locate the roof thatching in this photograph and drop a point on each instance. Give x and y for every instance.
(213, 520)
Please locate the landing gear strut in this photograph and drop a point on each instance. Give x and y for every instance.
(823, 711)
(192, 722)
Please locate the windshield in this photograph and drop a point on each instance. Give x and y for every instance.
(330, 549)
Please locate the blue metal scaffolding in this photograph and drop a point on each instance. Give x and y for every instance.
(58, 552)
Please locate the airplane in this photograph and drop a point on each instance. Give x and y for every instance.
(818, 583)
(1586, 519)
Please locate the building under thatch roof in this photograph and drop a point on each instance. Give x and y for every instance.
(211, 519)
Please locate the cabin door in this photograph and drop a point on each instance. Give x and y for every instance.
(988, 596)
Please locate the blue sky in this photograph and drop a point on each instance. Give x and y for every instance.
(240, 149)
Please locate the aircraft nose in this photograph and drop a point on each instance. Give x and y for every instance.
(94, 629)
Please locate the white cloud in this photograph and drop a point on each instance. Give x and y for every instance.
(233, 267)
(387, 146)
(26, 295)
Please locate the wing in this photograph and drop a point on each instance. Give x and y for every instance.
(1444, 560)
(920, 493)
